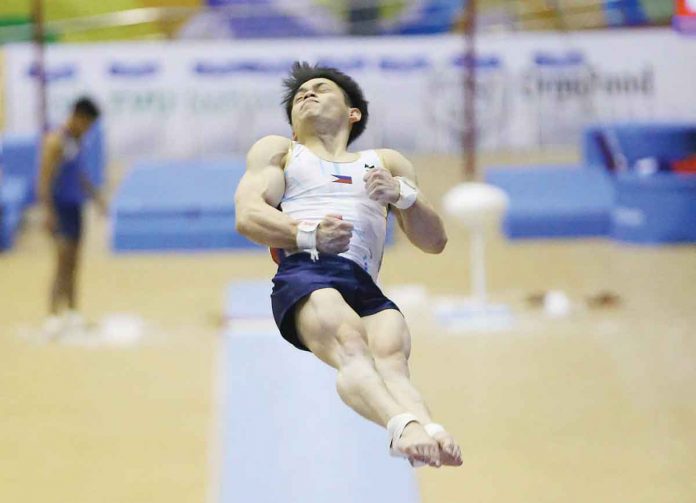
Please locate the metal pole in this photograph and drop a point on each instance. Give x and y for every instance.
(470, 121)
(37, 14)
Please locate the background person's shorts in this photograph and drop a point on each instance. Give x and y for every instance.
(69, 223)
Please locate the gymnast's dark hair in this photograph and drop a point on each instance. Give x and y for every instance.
(302, 71)
(86, 108)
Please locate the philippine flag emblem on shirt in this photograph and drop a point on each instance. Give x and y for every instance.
(343, 179)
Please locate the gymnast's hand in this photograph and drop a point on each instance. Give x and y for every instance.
(381, 186)
(333, 234)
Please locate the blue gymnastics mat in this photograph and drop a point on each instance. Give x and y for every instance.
(13, 196)
(661, 141)
(655, 209)
(178, 205)
(554, 201)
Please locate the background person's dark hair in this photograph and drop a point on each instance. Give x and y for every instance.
(301, 72)
(86, 108)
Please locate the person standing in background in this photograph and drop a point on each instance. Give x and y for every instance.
(63, 188)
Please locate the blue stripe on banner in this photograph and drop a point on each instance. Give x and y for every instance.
(54, 72)
(120, 69)
(345, 64)
(233, 67)
(487, 62)
(570, 58)
(403, 63)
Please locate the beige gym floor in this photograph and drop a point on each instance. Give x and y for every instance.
(599, 406)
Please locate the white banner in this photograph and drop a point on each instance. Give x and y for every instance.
(190, 99)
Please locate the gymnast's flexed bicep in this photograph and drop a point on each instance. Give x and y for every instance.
(259, 193)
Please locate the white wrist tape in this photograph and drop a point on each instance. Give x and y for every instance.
(307, 238)
(408, 193)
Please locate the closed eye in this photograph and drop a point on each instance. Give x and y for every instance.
(323, 87)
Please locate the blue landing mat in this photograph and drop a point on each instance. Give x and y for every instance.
(183, 205)
(661, 141)
(554, 201)
(655, 209)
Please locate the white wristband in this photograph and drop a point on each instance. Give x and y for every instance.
(307, 238)
(408, 193)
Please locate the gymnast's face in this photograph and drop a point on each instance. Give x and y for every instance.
(321, 98)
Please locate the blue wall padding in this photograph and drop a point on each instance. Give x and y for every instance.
(178, 205)
(20, 159)
(655, 209)
(554, 201)
(665, 142)
(13, 195)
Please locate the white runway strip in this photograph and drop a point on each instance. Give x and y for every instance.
(287, 437)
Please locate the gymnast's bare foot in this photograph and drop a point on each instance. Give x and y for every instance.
(450, 452)
(418, 445)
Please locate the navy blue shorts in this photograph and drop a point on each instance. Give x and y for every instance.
(298, 276)
(69, 216)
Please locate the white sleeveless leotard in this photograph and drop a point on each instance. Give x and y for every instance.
(315, 187)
